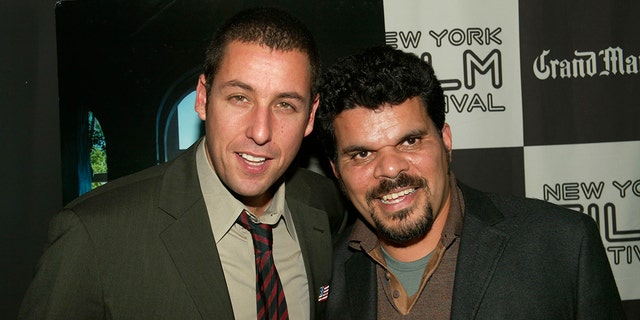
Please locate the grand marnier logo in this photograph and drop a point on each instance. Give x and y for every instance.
(607, 62)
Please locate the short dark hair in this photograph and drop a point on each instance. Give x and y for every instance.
(270, 27)
(371, 78)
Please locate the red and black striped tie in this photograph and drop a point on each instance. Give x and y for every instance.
(270, 299)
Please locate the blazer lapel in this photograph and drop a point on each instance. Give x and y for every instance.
(314, 237)
(189, 240)
(480, 250)
(360, 274)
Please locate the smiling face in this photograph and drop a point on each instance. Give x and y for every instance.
(257, 113)
(393, 165)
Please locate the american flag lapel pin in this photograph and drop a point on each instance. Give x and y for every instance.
(324, 293)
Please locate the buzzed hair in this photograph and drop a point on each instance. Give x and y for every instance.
(270, 27)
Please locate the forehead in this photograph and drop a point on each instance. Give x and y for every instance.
(385, 124)
(264, 70)
(238, 53)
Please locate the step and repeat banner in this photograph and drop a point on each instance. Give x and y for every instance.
(548, 89)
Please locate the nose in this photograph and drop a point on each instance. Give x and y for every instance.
(259, 128)
(390, 163)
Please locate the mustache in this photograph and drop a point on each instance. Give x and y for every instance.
(403, 180)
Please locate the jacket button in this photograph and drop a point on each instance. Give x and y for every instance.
(396, 294)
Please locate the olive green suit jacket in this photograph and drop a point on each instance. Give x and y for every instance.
(141, 247)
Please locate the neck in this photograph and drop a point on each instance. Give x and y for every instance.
(258, 204)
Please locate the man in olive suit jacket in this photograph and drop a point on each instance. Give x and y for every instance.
(164, 243)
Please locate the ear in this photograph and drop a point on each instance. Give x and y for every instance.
(446, 139)
(201, 98)
(333, 168)
(312, 115)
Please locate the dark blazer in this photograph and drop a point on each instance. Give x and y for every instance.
(518, 259)
(141, 247)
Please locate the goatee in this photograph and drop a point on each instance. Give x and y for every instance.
(405, 231)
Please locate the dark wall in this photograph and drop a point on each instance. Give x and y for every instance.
(129, 61)
(30, 142)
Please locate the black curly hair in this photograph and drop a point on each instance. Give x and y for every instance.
(371, 78)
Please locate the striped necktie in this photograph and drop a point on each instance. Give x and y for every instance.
(270, 300)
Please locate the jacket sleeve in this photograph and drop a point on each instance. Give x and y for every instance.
(66, 284)
(597, 293)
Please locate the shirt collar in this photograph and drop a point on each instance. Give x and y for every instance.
(223, 208)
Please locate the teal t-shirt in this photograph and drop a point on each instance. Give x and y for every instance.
(408, 273)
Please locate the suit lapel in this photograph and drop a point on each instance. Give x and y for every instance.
(480, 250)
(314, 236)
(189, 240)
(360, 274)
(195, 255)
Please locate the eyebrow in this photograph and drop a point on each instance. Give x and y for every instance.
(282, 95)
(291, 95)
(353, 149)
(358, 147)
(236, 84)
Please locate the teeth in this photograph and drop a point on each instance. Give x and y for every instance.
(393, 196)
(251, 158)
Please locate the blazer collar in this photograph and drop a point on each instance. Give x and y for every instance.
(314, 238)
(481, 247)
(189, 240)
(360, 274)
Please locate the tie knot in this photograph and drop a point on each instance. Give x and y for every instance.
(260, 232)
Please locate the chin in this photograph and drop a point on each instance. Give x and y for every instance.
(405, 228)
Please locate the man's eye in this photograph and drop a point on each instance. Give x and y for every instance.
(286, 106)
(239, 98)
(361, 155)
(411, 141)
